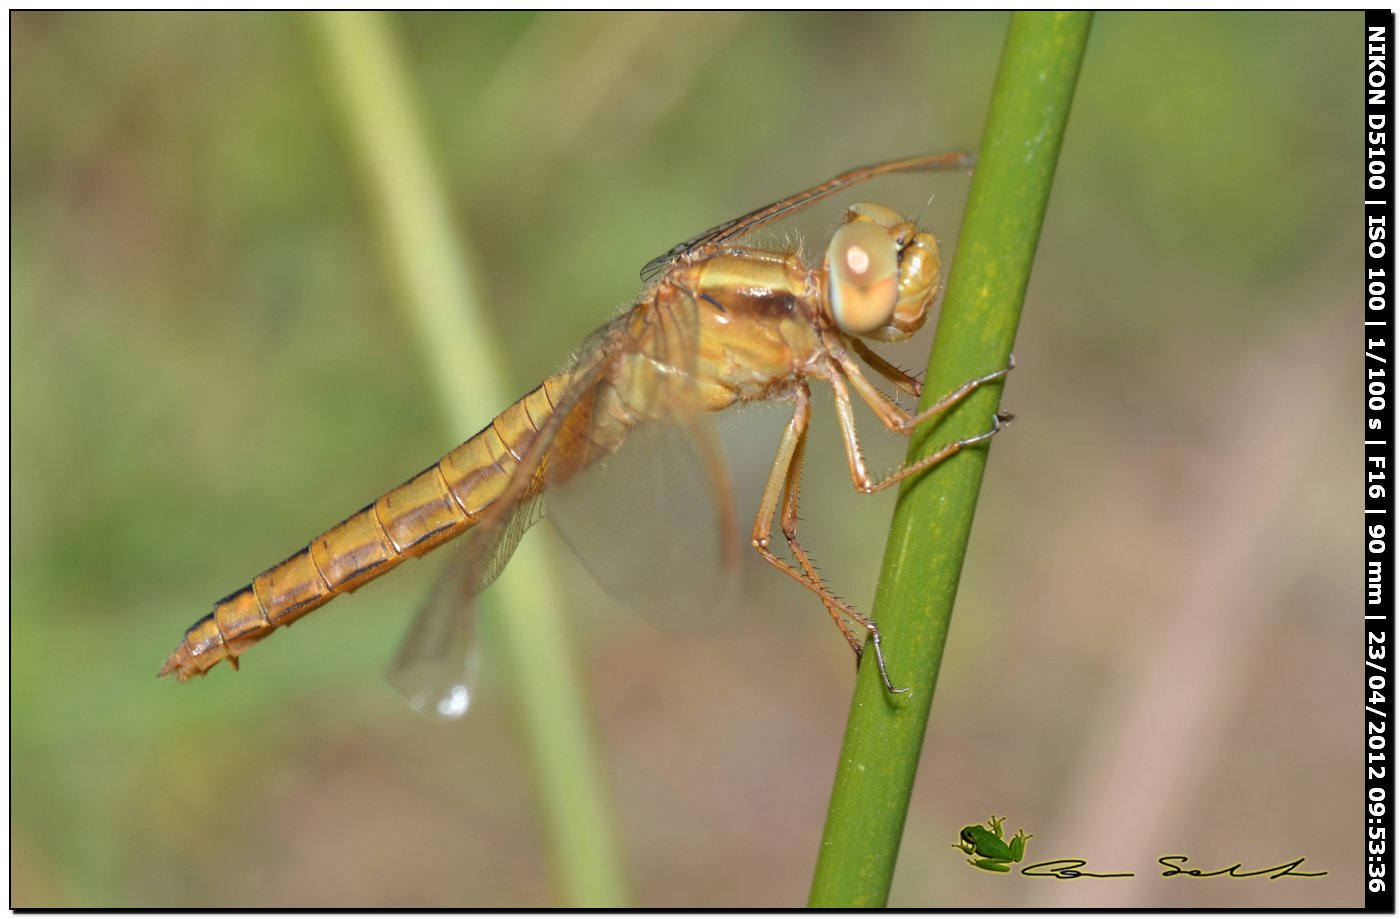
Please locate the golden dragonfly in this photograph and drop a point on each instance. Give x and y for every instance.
(716, 325)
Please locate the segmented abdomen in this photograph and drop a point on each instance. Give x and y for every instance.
(443, 501)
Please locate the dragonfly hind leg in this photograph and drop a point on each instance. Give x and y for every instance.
(784, 483)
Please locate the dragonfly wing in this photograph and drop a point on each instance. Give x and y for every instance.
(436, 664)
(733, 229)
(654, 520)
(650, 525)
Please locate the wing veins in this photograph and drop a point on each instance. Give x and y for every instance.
(732, 229)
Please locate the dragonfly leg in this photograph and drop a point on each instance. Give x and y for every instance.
(959, 394)
(784, 482)
(845, 413)
(905, 382)
(896, 418)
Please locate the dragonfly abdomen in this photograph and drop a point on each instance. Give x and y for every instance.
(440, 503)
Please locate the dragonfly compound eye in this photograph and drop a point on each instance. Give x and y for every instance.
(863, 275)
(875, 213)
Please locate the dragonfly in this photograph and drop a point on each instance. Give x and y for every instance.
(718, 324)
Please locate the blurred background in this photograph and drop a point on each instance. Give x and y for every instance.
(1155, 649)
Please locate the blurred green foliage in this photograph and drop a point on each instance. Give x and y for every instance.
(205, 374)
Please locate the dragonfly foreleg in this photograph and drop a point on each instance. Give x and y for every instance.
(860, 476)
(905, 382)
(784, 482)
(896, 418)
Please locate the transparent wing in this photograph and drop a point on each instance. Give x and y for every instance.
(435, 666)
(652, 517)
(648, 524)
(751, 221)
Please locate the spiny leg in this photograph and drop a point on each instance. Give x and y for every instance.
(896, 418)
(785, 480)
(856, 459)
(905, 382)
(792, 486)
(840, 610)
(959, 394)
(782, 477)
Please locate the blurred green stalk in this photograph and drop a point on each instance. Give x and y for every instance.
(928, 538)
(433, 265)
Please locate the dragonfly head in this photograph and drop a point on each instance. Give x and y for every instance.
(882, 274)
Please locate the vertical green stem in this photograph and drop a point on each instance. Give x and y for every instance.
(432, 264)
(928, 537)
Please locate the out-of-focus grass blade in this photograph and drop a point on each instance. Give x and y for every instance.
(433, 266)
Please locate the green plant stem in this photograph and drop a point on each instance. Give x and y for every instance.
(928, 537)
(433, 267)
